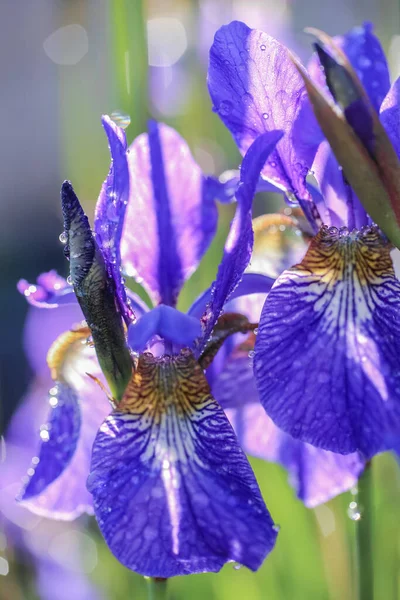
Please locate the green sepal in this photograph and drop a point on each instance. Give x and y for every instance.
(95, 292)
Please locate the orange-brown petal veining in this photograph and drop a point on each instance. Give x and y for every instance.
(62, 347)
(167, 384)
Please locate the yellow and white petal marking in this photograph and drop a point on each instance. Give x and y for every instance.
(173, 492)
(327, 353)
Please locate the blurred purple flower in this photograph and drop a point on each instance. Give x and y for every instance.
(166, 453)
(61, 554)
(326, 356)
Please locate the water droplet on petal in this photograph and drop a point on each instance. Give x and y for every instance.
(265, 116)
(263, 47)
(225, 107)
(63, 237)
(69, 280)
(120, 118)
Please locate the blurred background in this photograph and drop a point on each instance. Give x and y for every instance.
(63, 64)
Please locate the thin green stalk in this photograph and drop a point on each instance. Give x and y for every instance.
(156, 588)
(364, 536)
(129, 61)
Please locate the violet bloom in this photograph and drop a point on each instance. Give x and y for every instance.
(166, 456)
(327, 352)
(61, 553)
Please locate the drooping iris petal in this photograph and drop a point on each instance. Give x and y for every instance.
(60, 482)
(67, 497)
(49, 291)
(166, 322)
(390, 115)
(59, 437)
(327, 352)
(255, 88)
(238, 246)
(173, 492)
(171, 216)
(316, 475)
(110, 210)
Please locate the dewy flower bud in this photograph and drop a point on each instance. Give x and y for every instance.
(94, 289)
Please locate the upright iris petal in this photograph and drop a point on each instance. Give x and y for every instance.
(110, 209)
(174, 493)
(239, 244)
(255, 88)
(171, 216)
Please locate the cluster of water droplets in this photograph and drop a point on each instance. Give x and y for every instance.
(354, 509)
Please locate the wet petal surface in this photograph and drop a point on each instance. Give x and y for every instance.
(173, 492)
(256, 88)
(59, 437)
(327, 352)
(171, 216)
(316, 475)
(110, 210)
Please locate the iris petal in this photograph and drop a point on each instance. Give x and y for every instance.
(171, 215)
(316, 475)
(167, 322)
(256, 88)
(59, 439)
(239, 244)
(326, 363)
(110, 210)
(67, 497)
(173, 492)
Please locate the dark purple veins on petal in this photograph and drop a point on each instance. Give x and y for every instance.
(327, 351)
(59, 437)
(169, 262)
(173, 492)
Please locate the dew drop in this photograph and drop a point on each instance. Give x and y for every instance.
(251, 354)
(63, 237)
(263, 47)
(237, 567)
(265, 116)
(343, 231)
(353, 511)
(276, 528)
(44, 436)
(225, 107)
(120, 118)
(69, 280)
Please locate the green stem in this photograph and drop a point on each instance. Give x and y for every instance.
(156, 588)
(364, 536)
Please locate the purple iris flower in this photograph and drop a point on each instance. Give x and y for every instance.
(316, 475)
(327, 353)
(61, 553)
(173, 492)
